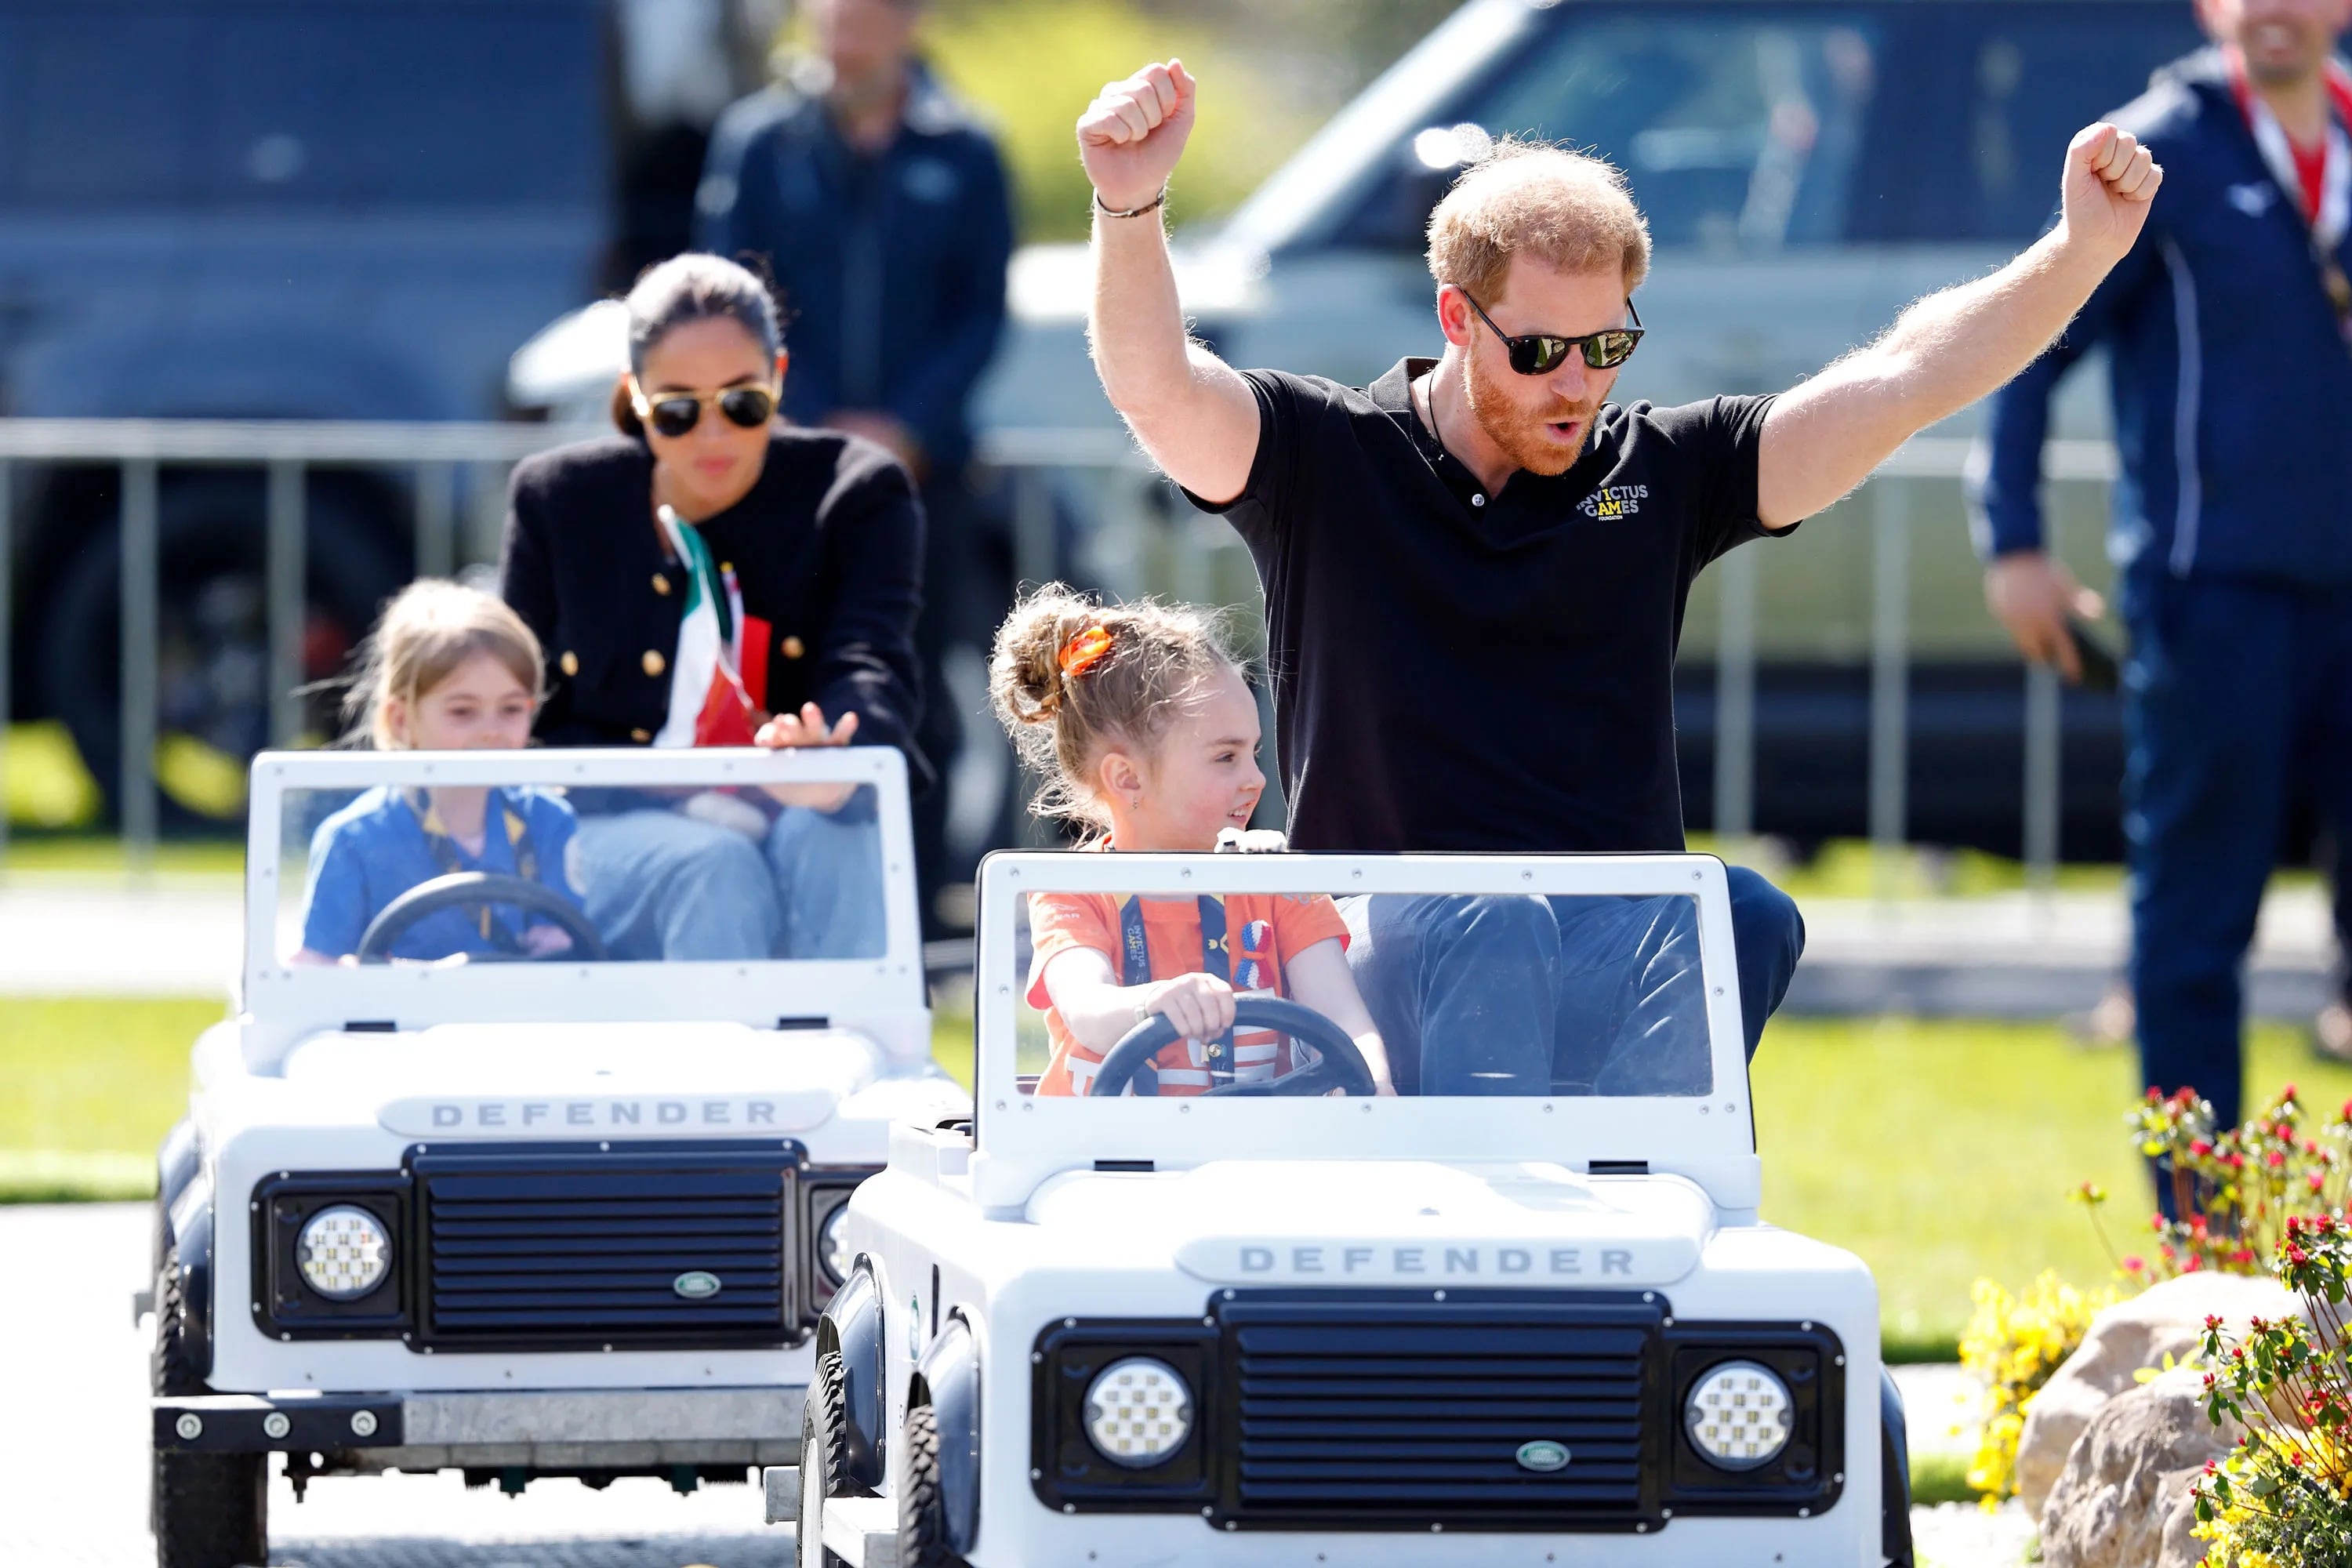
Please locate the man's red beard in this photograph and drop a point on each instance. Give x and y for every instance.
(1520, 434)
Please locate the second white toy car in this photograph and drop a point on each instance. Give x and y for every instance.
(1286, 1322)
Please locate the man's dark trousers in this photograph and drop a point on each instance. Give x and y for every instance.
(1508, 994)
(2238, 698)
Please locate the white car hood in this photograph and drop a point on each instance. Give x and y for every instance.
(548, 1078)
(1384, 1223)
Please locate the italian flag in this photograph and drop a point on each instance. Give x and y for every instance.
(708, 704)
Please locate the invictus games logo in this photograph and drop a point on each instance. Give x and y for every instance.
(1614, 500)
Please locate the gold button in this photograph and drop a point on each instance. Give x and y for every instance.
(641, 736)
(653, 662)
(793, 647)
(661, 584)
(725, 567)
(569, 661)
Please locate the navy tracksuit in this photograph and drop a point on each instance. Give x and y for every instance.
(892, 267)
(2232, 541)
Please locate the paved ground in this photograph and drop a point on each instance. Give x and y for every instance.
(73, 1453)
(174, 936)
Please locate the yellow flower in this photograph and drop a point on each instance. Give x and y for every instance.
(2015, 1344)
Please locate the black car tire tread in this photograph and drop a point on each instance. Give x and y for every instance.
(922, 1512)
(209, 1511)
(825, 1459)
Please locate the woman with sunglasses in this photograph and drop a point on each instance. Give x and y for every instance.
(706, 525)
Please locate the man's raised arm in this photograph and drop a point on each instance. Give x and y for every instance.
(1194, 413)
(1824, 435)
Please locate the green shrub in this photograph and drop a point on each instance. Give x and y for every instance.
(2285, 1494)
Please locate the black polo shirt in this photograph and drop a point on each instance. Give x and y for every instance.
(1459, 670)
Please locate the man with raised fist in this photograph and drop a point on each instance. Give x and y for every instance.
(1475, 568)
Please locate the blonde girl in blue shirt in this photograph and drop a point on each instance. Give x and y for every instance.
(447, 669)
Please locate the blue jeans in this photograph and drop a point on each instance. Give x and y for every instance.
(664, 885)
(1521, 996)
(2237, 697)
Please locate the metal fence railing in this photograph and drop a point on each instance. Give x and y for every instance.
(1134, 537)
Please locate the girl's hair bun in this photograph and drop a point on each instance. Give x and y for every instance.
(1071, 676)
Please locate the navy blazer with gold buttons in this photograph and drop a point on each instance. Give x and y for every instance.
(828, 547)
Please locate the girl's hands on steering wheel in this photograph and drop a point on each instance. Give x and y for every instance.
(1199, 1006)
(543, 940)
(807, 728)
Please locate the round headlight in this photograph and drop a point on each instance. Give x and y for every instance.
(1138, 1411)
(1738, 1416)
(833, 1245)
(343, 1252)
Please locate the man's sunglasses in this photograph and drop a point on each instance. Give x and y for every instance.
(674, 414)
(1539, 353)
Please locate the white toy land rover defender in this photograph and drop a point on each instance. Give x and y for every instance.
(1286, 1322)
(571, 1214)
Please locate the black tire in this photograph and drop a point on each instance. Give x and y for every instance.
(213, 641)
(922, 1512)
(208, 1510)
(824, 1460)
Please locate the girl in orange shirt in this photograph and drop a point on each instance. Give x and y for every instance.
(1139, 720)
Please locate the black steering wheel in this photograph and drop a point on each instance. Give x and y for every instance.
(1342, 1066)
(462, 889)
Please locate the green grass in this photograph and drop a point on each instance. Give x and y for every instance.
(96, 856)
(1944, 1150)
(88, 1086)
(1940, 1477)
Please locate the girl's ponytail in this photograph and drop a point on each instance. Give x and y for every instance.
(1072, 677)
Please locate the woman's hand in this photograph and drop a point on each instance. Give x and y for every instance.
(789, 731)
(1199, 1006)
(793, 731)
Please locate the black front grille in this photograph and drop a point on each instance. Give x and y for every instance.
(1415, 1411)
(607, 1248)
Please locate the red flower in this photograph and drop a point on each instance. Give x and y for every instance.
(2201, 1146)
(2134, 1263)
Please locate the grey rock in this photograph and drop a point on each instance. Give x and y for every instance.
(2124, 1499)
(2164, 1319)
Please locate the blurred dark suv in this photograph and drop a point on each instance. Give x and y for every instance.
(291, 209)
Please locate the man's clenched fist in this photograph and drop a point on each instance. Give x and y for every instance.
(2110, 180)
(1132, 133)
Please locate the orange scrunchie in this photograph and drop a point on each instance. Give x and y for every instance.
(1084, 650)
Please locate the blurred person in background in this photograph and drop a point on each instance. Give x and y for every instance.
(2229, 331)
(703, 576)
(880, 206)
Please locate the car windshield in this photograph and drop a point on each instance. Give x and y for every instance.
(524, 869)
(1748, 129)
(1440, 995)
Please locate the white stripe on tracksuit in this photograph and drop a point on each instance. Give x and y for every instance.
(2189, 506)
